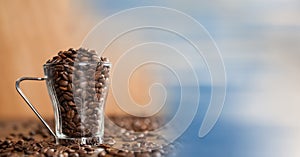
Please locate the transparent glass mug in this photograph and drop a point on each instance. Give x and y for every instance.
(78, 93)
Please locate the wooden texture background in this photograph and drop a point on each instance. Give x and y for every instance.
(31, 32)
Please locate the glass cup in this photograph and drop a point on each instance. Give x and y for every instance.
(78, 93)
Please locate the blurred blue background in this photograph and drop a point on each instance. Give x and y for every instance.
(260, 45)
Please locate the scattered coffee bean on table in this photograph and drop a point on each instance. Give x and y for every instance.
(113, 145)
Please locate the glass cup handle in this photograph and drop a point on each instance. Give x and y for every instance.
(27, 101)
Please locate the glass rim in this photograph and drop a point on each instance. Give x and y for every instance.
(105, 63)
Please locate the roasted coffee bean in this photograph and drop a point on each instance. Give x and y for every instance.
(71, 103)
(75, 147)
(89, 149)
(62, 54)
(64, 76)
(82, 152)
(69, 150)
(70, 114)
(84, 59)
(27, 138)
(50, 152)
(67, 97)
(70, 87)
(59, 67)
(129, 138)
(32, 133)
(102, 154)
(83, 84)
(63, 88)
(69, 60)
(63, 83)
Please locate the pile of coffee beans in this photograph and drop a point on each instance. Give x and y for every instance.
(48, 149)
(138, 123)
(79, 81)
(31, 138)
(136, 136)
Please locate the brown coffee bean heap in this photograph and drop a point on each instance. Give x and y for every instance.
(138, 123)
(33, 139)
(48, 149)
(80, 80)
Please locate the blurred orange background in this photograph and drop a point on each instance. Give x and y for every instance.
(31, 32)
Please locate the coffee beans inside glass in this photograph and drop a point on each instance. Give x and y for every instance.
(78, 91)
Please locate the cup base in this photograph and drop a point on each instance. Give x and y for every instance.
(81, 141)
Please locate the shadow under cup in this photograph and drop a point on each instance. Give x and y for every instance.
(78, 93)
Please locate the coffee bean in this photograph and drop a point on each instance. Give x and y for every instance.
(59, 67)
(76, 120)
(62, 54)
(109, 141)
(75, 147)
(70, 150)
(89, 149)
(83, 84)
(64, 76)
(67, 97)
(70, 77)
(63, 88)
(102, 154)
(27, 138)
(89, 111)
(70, 114)
(70, 90)
(63, 83)
(73, 155)
(50, 152)
(82, 152)
(84, 59)
(71, 103)
(69, 60)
